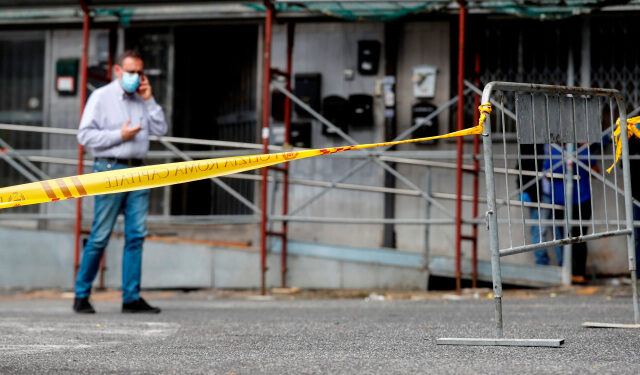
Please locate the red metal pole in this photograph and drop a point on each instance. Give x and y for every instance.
(476, 176)
(266, 93)
(287, 140)
(112, 47)
(83, 100)
(461, 25)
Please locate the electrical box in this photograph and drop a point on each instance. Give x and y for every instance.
(67, 76)
(368, 57)
(335, 109)
(424, 81)
(361, 110)
(300, 134)
(308, 89)
(277, 105)
(418, 112)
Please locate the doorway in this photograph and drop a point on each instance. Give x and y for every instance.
(215, 98)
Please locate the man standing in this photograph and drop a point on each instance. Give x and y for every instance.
(116, 124)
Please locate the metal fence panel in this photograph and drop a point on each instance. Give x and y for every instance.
(560, 139)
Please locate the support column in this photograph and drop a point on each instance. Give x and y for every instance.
(459, 145)
(287, 142)
(266, 94)
(390, 127)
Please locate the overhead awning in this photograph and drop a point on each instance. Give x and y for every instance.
(386, 10)
(61, 11)
(361, 9)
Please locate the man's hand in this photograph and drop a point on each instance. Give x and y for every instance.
(127, 132)
(145, 88)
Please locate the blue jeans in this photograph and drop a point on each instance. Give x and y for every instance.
(134, 205)
(542, 257)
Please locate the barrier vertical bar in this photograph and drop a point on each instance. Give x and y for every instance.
(576, 153)
(265, 140)
(459, 148)
(426, 255)
(83, 99)
(567, 253)
(492, 219)
(506, 165)
(553, 200)
(615, 170)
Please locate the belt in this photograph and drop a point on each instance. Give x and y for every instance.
(129, 162)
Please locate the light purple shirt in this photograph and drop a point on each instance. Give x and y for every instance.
(107, 109)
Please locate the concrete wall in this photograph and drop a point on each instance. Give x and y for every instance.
(34, 259)
(424, 43)
(330, 48)
(31, 259)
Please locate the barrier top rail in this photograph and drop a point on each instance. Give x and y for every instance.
(548, 89)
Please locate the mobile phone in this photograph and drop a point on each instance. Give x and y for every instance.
(142, 79)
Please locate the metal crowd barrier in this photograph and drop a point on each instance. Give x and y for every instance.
(560, 129)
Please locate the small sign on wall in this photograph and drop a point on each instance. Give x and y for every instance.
(424, 81)
(65, 85)
(66, 76)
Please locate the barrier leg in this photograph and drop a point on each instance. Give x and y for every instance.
(497, 298)
(634, 286)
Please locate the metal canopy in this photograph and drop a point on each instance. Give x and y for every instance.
(387, 10)
(34, 11)
(381, 10)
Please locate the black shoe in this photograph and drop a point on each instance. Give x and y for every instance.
(82, 306)
(139, 306)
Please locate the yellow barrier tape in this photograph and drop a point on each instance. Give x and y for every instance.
(485, 109)
(632, 129)
(123, 180)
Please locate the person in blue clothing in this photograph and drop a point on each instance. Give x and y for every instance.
(581, 201)
(534, 193)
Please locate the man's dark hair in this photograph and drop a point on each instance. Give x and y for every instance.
(129, 53)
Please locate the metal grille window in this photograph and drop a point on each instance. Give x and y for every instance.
(521, 51)
(21, 96)
(615, 62)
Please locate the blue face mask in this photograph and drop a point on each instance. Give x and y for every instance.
(130, 82)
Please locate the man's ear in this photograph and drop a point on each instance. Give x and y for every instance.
(117, 70)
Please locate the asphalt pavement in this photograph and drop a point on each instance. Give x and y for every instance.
(203, 333)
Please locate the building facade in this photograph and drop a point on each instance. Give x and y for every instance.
(204, 63)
